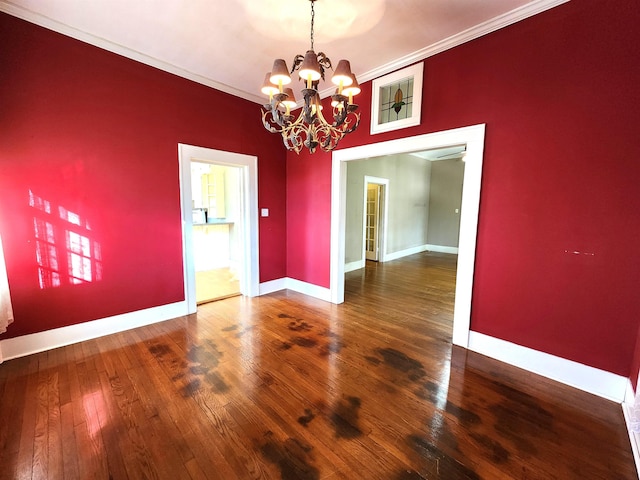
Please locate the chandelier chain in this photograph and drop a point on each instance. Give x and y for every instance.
(313, 14)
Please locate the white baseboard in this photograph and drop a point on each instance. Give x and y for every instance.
(273, 286)
(351, 266)
(628, 407)
(309, 289)
(299, 286)
(442, 249)
(404, 253)
(598, 382)
(60, 337)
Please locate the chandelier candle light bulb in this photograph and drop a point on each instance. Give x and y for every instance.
(268, 88)
(310, 129)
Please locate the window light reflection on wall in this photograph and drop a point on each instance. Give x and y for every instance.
(65, 252)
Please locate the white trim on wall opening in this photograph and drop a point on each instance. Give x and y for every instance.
(248, 165)
(473, 138)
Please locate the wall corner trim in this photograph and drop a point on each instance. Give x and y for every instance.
(405, 253)
(287, 283)
(351, 266)
(583, 377)
(273, 286)
(442, 249)
(310, 289)
(59, 337)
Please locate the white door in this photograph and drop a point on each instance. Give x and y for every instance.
(372, 221)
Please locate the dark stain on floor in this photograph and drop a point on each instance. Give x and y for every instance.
(305, 419)
(345, 418)
(291, 458)
(334, 345)
(304, 342)
(521, 419)
(494, 449)
(198, 370)
(299, 326)
(401, 362)
(242, 332)
(329, 334)
(284, 345)
(190, 389)
(208, 355)
(159, 350)
(284, 315)
(266, 378)
(515, 429)
(231, 328)
(466, 417)
(372, 360)
(431, 392)
(217, 383)
(448, 439)
(524, 404)
(446, 467)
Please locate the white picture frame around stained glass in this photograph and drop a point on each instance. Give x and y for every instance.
(391, 110)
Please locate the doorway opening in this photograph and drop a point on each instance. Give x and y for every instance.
(472, 139)
(218, 230)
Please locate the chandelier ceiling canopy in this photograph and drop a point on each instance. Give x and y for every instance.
(310, 129)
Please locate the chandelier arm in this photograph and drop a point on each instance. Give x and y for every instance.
(324, 62)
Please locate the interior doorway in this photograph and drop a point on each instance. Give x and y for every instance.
(213, 215)
(472, 138)
(217, 230)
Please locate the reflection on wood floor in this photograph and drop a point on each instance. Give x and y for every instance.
(289, 387)
(212, 285)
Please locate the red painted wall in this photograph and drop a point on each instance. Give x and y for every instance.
(97, 135)
(559, 95)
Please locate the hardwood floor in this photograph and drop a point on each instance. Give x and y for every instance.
(289, 387)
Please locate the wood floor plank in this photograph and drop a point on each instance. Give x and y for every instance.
(23, 467)
(289, 387)
(69, 446)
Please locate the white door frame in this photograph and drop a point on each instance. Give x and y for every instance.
(382, 220)
(248, 165)
(473, 138)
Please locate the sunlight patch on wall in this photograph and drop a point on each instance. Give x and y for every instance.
(65, 252)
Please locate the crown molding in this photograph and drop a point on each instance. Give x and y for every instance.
(118, 49)
(496, 23)
(501, 21)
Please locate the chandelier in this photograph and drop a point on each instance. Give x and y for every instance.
(310, 129)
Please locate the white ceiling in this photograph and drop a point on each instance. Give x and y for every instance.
(231, 44)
